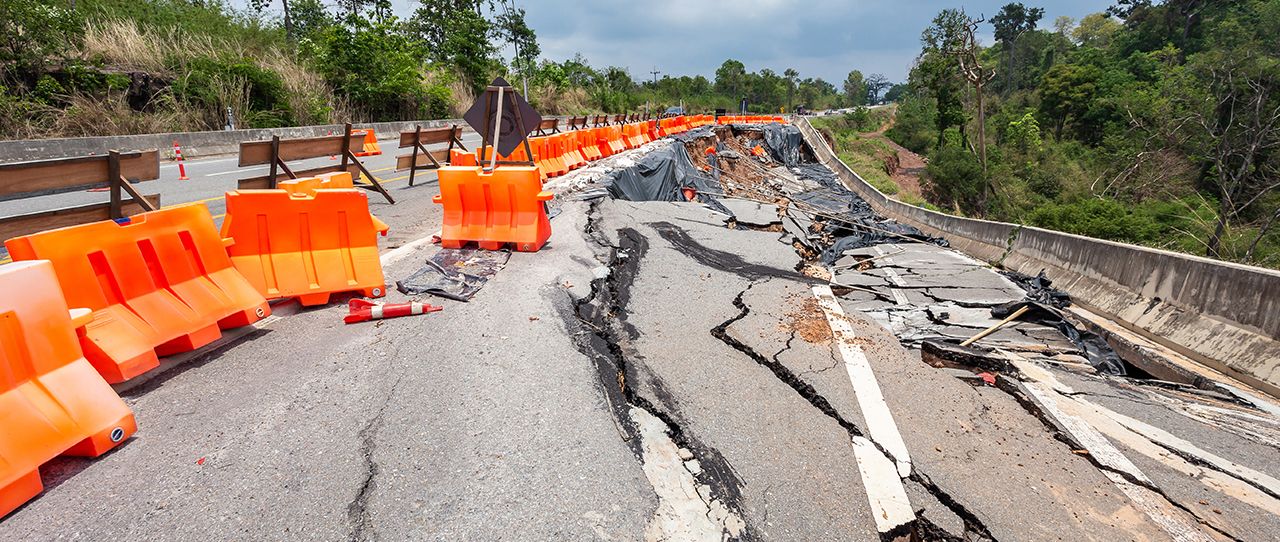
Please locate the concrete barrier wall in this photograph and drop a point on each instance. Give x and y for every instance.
(194, 144)
(1224, 315)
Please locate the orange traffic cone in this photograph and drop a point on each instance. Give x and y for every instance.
(182, 168)
(364, 311)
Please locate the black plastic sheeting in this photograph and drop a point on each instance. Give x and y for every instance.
(1046, 304)
(661, 175)
(455, 273)
(783, 141)
(849, 221)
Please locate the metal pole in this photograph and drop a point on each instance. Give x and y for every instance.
(497, 131)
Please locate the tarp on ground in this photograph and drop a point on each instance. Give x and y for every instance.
(455, 273)
(661, 175)
(783, 141)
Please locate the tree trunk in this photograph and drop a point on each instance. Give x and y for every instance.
(1215, 241)
(288, 21)
(1248, 255)
(982, 128)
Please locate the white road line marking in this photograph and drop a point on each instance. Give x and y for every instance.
(875, 411)
(899, 297)
(1044, 393)
(400, 252)
(895, 278)
(889, 503)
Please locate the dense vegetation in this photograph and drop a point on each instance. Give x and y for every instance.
(92, 67)
(1155, 123)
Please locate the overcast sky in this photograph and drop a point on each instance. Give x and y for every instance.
(819, 38)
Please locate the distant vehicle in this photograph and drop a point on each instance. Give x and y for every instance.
(673, 111)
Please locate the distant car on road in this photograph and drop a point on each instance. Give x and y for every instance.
(673, 111)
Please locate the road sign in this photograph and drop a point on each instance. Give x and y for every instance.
(519, 119)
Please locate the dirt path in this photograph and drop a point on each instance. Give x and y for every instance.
(910, 165)
(910, 168)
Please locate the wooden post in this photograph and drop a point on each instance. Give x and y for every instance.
(113, 180)
(275, 161)
(417, 142)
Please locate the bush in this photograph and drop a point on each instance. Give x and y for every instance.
(956, 175)
(913, 126)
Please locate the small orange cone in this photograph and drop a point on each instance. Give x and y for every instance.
(182, 168)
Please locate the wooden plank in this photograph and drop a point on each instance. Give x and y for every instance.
(403, 162)
(253, 153)
(38, 177)
(262, 181)
(548, 125)
(431, 136)
(26, 224)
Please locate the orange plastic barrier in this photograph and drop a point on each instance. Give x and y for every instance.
(371, 147)
(539, 146)
(602, 141)
(309, 185)
(616, 144)
(587, 143)
(569, 149)
(158, 284)
(51, 401)
(555, 155)
(632, 134)
(309, 247)
(459, 157)
(493, 209)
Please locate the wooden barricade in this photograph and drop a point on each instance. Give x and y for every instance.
(418, 139)
(115, 171)
(278, 152)
(548, 127)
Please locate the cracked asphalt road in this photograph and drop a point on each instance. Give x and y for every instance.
(648, 375)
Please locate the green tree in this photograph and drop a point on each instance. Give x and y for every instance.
(1095, 30)
(511, 27)
(855, 89)
(731, 78)
(1067, 91)
(33, 32)
(790, 75)
(456, 34)
(1013, 20)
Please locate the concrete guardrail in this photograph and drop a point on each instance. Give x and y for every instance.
(1223, 315)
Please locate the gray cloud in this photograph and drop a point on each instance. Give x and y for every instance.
(819, 38)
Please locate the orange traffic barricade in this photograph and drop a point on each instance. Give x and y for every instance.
(555, 156)
(615, 139)
(370, 147)
(309, 247)
(459, 157)
(158, 283)
(539, 146)
(52, 402)
(587, 142)
(602, 141)
(309, 185)
(505, 206)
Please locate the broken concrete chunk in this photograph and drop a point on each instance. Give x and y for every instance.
(752, 213)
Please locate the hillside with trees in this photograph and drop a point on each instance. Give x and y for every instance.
(102, 67)
(1155, 123)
